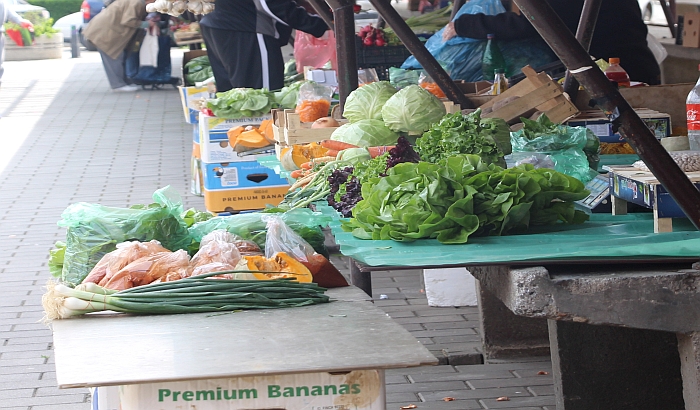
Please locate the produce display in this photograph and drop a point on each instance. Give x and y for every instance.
(412, 110)
(241, 103)
(246, 138)
(461, 197)
(198, 70)
(177, 7)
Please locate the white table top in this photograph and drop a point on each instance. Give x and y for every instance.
(348, 334)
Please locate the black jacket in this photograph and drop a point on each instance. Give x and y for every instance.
(619, 32)
(274, 18)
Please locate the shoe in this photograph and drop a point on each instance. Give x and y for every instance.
(126, 89)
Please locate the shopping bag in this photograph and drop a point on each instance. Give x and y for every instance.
(148, 54)
(310, 51)
(461, 56)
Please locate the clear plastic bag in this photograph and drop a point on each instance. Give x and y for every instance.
(94, 230)
(116, 260)
(221, 235)
(572, 162)
(216, 248)
(310, 51)
(367, 76)
(149, 269)
(280, 238)
(314, 101)
(400, 78)
(425, 81)
(688, 161)
(251, 227)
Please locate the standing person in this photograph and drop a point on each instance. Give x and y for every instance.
(111, 31)
(8, 14)
(244, 40)
(619, 32)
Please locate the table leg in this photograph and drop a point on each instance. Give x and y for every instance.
(689, 349)
(362, 280)
(619, 206)
(606, 367)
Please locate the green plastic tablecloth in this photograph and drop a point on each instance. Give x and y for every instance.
(616, 159)
(603, 236)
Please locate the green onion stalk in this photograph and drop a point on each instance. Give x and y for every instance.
(195, 294)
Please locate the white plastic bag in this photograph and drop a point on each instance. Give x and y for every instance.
(656, 48)
(148, 54)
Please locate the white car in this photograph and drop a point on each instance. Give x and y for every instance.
(64, 24)
(21, 7)
(653, 13)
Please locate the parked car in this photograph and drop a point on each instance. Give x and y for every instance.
(89, 9)
(653, 13)
(21, 7)
(64, 24)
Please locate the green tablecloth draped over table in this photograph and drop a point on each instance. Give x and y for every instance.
(603, 236)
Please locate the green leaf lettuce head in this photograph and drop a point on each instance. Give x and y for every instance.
(365, 133)
(460, 197)
(412, 110)
(458, 133)
(56, 256)
(366, 102)
(241, 102)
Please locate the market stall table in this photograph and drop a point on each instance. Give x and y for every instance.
(347, 335)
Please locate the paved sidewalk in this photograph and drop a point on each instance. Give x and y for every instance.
(66, 138)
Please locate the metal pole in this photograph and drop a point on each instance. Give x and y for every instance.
(615, 107)
(584, 34)
(323, 11)
(74, 43)
(344, 17)
(456, 5)
(414, 45)
(670, 14)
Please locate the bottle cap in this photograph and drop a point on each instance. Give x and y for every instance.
(614, 60)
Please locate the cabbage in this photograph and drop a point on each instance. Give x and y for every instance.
(365, 133)
(412, 110)
(354, 155)
(366, 102)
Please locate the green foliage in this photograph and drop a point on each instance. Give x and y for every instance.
(242, 102)
(466, 134)
(57, 8)
(45, 27)
(460, 197)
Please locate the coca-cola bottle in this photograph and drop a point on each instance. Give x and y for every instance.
(692, 106)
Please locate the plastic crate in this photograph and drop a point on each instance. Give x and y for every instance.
(380, 57)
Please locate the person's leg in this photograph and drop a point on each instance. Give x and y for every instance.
(275, 63)
(213, 39)
(114, 68)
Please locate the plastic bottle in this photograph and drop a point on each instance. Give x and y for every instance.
(492, 59)
(616, 73)
(692, 106)
(500, 82)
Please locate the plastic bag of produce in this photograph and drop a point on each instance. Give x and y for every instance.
(149, 269)
(572, 162)
(542, 135)
(281, 238)
(461, 56)
(116, 260)
(94, 230)
(400, 78)
(251, 227)
(313, 102)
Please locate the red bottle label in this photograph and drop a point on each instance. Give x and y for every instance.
(693, 116)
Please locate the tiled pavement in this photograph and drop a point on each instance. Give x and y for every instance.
(65, 138)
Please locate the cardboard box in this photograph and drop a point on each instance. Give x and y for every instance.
(691, 30)
(594, 120)
(187, 97)
(473, 88)
(240, 186)
(214, 140)
(186, 57)
(356, 390)
(195, 131)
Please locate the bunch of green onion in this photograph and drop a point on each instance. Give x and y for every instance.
(195, 294)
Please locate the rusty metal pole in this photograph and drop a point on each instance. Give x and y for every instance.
(344, 17)
(615, 107)
(670, 14)
(584, 34)
(323, 11)
(456, 5)
(414, 45)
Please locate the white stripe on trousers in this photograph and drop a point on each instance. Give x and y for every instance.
(264, 62)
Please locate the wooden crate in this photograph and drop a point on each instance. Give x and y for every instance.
(288, 129)
(629, 184)
(537, 92)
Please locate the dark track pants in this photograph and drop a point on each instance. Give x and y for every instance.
(244, 60)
